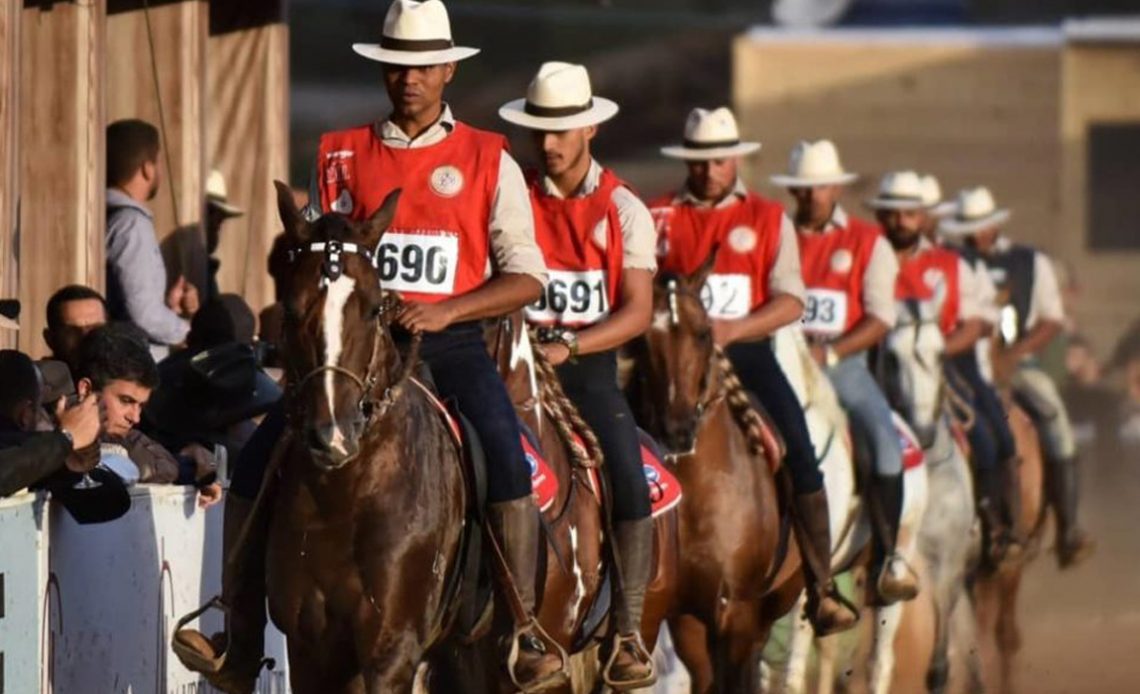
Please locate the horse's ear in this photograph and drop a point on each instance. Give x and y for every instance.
(294, 222)
(698, 278)
(381, 219)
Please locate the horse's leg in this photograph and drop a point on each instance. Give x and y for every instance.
(884, 629)
(692, 645)
(799, 650)
(1008, 631)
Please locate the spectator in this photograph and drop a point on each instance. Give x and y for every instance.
(72, 312)
(28, 457)
(115, 365)
(218, 210)
(271, 320)
(136, 276)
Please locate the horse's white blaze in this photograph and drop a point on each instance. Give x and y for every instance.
(579, 584)
(336, 298)
(661, 320)
(522, 352)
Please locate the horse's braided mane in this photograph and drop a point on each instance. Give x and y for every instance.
(579, 438)
(739, 404)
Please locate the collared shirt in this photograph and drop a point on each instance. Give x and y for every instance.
(511, 223)
(785, 275)
(879, 278)
(1045, 301)
(638, 234)
(136, 275)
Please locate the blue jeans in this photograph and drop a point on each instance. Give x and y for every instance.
(869, 412)
(991, 439)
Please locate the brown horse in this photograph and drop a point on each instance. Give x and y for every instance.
(370, 496)
(995, 592)
(735, 579)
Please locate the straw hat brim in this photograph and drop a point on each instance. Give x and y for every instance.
(740, 149)
(373, 51)
(514, 112)
(894, 204)
(225, 207)
(788, 181)
(956, 226)
(7, 323)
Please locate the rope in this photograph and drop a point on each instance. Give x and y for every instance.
(739, 404)
(161, 114)
(580, 440)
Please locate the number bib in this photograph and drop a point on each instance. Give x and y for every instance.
(727, 296)
(571, 298)
(418, 262)
(825, 312)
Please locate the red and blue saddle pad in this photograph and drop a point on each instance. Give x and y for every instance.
(912, 451)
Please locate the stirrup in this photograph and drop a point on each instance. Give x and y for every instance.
(618, 642)
(554, 679)
(832, 592)
(885, 570)
(192, 658)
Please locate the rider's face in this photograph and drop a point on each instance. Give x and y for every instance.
(815, 205)
(713, 179)
(416, 90)
(563, 150)
(903, 227)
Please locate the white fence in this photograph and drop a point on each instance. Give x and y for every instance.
(114, 592)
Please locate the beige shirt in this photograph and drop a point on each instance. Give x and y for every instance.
(511, 224)
(785, 276)
(880, 276)
(638, 234)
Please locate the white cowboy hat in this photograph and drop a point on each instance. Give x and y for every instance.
(559, 98)
(974, 211)
(899, 190)
(710, 135)
(415, 34)
(932, 197)
(814, 164)
(216, 195)
(7, 323)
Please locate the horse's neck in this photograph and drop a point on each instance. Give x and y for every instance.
(807, 379)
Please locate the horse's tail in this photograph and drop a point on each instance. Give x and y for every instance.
(572, 429)
(747, 418)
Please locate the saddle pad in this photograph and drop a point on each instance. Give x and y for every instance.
(543, 481)
(664, 489)
(912, 451)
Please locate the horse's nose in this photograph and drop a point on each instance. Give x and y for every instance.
(680, 436)
(335, 442)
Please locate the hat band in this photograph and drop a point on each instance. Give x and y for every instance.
(416, 45)
(557, 111)
(715, 144)
(901, 198)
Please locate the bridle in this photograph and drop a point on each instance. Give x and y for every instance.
(709, 394)
(369, 407)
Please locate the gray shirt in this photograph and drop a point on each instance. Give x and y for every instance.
(136, 275)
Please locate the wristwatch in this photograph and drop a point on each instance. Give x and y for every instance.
(563, 336)
(830, 357)
(69, 437)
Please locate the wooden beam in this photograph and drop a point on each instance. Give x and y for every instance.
(62, 171)
(157, 72)
(9, 154)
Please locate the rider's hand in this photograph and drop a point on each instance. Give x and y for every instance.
(555, 352)
(80, 420)
(724, 332)
(819, 354)
(209, 495)
(425, 318)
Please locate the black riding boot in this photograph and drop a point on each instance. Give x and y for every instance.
(827, 611)
(630, 663)
(896, 580)
(1073, 544)
(995, 533)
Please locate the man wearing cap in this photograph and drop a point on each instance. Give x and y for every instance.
(992, 445)
(218, 210)
(754, 289)
(940, 278)
(850, 271)
(597, 238)
(1031, 318)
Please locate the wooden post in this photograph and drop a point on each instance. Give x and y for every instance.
(62, 216)
(249, 135)
(157, 72)
(9, 154)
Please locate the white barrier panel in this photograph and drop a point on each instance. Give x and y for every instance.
(23, 576)
(122, 587)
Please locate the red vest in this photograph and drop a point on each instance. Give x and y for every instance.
(927, 273)
(581, 240)
(745, 236)
(438, 245)
(833, 265)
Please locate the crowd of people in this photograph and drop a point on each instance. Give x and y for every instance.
(160, 379)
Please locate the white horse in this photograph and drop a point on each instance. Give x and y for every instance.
(914, 383)
(850, 526)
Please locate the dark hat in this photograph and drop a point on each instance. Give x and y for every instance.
(102, 497)
(57, 381)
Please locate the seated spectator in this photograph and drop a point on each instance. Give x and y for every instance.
(218, 210)
(27, 457)
(136, 275)
(72, 312)
(272, 317)
(212, 391)
(114, 363)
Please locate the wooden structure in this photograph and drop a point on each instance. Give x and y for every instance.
(212, 76)
(1010, 108)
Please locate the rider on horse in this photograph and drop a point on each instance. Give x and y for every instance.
(1032, 318)
(939, 277)
(463, 209)
(850, 273)
(992, 445)
(755, 288)
(597, 238)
